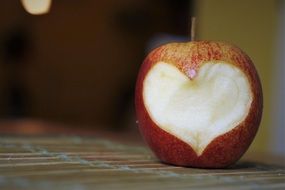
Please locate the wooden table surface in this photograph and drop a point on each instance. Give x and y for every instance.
(79, 163)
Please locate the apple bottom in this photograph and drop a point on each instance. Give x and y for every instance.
(222, 152)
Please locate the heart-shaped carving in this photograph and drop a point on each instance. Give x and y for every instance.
(197, 111)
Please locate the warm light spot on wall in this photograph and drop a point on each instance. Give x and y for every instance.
(36, 7)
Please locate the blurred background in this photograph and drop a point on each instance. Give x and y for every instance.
(74, 68)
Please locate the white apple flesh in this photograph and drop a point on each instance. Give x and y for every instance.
(197, 110)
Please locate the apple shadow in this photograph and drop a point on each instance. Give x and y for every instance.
(257, 166)
(240, 165)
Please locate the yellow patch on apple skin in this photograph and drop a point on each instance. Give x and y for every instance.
(197, 111)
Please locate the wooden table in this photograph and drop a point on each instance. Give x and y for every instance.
(79, 163)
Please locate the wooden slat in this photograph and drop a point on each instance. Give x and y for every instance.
(96, 163)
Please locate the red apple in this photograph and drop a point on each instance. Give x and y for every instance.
(198, 104)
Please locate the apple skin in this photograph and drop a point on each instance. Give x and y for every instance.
(227, 148)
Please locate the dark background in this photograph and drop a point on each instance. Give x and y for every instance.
(78, 63)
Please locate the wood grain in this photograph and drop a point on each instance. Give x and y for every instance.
(71, 162)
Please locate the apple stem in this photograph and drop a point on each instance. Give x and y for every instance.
(193, 28)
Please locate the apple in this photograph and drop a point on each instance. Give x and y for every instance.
(199, 103)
